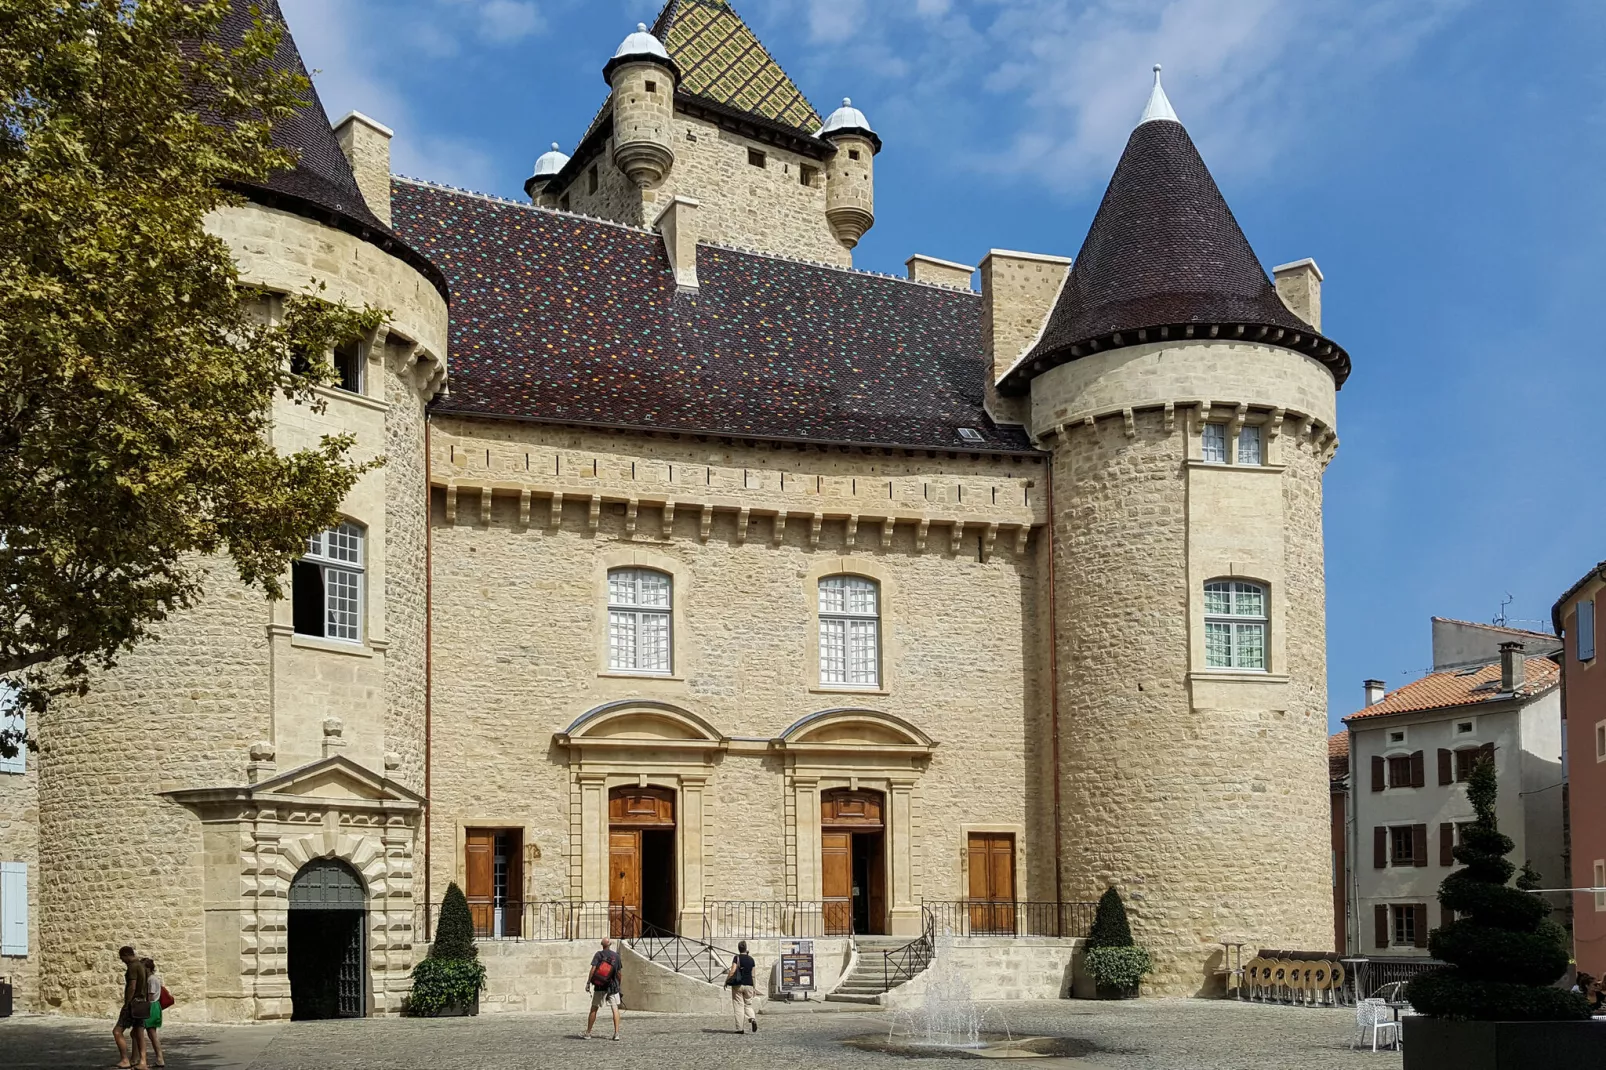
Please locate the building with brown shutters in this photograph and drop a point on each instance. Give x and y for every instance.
(1583, 705)
(1411, 751)
(722, 585)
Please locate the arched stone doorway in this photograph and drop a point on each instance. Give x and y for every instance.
(641, 860)
(853, 861)
(327, 945)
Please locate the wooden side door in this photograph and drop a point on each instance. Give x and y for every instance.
(624, 882)
(992, 882)
(477, 877)
(836, 881)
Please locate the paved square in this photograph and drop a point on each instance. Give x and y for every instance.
(1142, 1035)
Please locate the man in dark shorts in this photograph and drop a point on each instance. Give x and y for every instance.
(136, 986)
(603, 984)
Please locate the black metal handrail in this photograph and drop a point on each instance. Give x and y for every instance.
(680, 953)
(546, 920)
(749, 919)
(903, 963)
(1367, 976)
(1009, 917)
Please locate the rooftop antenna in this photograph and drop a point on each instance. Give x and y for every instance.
(1500, 621)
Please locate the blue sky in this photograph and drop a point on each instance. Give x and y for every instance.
(1442, 160)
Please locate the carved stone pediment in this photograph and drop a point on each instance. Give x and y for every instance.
(335, 783)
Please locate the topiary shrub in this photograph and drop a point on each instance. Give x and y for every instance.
(451, 977)
(1114, 963)
(1110, 927)
(1503, 952)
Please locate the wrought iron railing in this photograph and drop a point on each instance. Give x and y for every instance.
(903, 963)
(731, 919)
(679, 953)
(546, 920)
(1009, 917)
(1368, 977)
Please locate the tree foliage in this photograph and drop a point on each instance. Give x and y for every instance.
(1504, 953)
(1110, 927)
(454, 933)
(140, 375)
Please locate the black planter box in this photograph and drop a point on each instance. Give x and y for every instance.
(1434, 1044)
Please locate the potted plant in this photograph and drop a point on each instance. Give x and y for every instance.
(1495, 1007)
(1115, 963)
(447, 982)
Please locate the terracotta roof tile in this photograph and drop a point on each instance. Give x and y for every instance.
(1338, 755)
(567, 319)
(1461, 687)
(1498, 628)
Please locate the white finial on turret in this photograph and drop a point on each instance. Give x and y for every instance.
(1159, 108)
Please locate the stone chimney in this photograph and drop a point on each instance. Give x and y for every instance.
(679, 224)
(1375, 690)
(924, 268)
(367, 147)
(1300, 286)
(1513, 666)
(1018, 292)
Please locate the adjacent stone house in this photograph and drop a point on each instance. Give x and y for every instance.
(1583, 707)
(720, 585)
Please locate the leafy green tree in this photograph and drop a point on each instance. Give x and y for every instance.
(139, 373)
(451, 975)
(1110, 927)
(454, 934)
(1504, 953)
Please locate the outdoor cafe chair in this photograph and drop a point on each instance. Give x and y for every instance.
(1373, 1014)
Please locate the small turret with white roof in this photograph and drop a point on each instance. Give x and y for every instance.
(547, 167)
(643, 78)
(850, 176)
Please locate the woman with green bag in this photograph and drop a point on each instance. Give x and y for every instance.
(154, 1022)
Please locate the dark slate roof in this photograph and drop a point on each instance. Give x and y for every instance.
(566, 319)
(321, 185)
(1165, 252)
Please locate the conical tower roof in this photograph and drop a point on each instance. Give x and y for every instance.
(321, 185)
(1165, 259)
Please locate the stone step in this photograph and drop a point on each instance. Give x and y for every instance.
(852, 997)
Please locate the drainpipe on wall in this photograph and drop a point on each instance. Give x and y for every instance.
(1054, 686)
(429, 630)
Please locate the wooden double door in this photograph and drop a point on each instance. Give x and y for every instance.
(853, 868)
(493, 880)
(991, 857)
(641, 861)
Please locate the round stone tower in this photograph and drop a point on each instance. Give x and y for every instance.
(1190, 415)
(643, 78)
(850, 176)
(180, 800)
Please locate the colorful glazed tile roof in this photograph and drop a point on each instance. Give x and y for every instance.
(1462, 687)
(722, 60)
(566, 319)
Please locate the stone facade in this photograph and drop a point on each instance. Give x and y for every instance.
(19, 843)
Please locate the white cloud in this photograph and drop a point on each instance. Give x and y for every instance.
(506, 21)
(835, 20)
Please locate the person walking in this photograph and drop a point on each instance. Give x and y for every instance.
(603, 984)
(153, 1024)
(135, 1009)
(740, 982)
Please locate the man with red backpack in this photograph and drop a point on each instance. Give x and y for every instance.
(603, 984)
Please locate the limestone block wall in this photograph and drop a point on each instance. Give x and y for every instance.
(19, 842)
(766, 208)
(1026, 967)
(519, 622)
(1180, 783)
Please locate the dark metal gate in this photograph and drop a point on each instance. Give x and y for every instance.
(327, 946)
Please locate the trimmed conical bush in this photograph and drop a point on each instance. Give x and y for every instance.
(1504, 953)
(454, 934)
(1110, 927)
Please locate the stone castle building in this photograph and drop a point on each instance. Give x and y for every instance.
(709, 577)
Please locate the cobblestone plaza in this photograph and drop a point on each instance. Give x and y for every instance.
(1139, 1035)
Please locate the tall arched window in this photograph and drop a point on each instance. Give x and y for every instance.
(639, 608)
(1235, 625)
(326, 585)
(850, 631)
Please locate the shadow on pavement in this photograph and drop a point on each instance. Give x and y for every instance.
(43, 1043)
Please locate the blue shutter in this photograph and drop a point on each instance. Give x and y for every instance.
(13, 908)
(1586, 630)
(12, 721)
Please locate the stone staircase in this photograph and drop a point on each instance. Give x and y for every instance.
(866, 981)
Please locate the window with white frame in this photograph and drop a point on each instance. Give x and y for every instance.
(1600, 741)
(326, 585)
(639, 610)
(1249, 445)
(13, 731)
(1213, 444)
(1235, 625)
(850, 631)
(14, 908)
(1600, 884)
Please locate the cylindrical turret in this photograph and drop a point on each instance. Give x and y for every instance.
(643, 78)
(547, 166)
(850, 179)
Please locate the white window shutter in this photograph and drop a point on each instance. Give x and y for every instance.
(13, 908)
(1586, 630)
(12, 721)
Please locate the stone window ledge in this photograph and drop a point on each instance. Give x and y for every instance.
(330, 646)
(839, 690)
(620, 674)
(1247, 676)
(1194, 462)
(362, 401)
